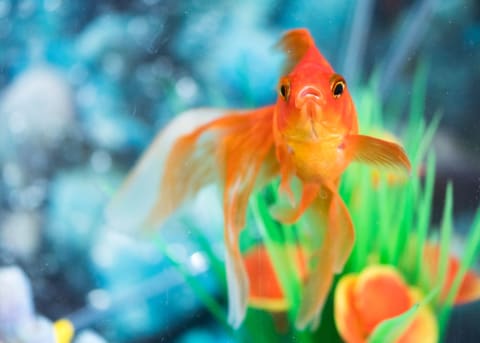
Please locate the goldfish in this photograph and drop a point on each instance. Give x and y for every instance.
(310, 134)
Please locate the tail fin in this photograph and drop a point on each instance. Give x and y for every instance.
(133, 203)
(234, 149)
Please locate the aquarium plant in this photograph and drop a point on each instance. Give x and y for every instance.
(401, 280)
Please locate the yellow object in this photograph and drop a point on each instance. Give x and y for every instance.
(64, 330)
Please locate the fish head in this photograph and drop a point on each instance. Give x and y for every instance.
(314, 103)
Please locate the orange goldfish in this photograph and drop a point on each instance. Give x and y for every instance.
(310, 134)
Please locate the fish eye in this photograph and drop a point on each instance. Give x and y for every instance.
(284, 88)
(338, 85)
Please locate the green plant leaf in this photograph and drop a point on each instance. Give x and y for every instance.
(446, 231)
(471, 253)
(390, 330)
(424, 214)
(283, 265)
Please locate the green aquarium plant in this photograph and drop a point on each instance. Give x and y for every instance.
(401, 281)
(272, 276)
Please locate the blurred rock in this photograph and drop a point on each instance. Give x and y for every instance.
(37, 109)
(89, 336)
(37, 330)
(20, 234)
(16, 306)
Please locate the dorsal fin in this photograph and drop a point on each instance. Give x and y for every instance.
(295, 43)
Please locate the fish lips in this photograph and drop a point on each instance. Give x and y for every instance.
(311, 103)
(308, 95)
(315, 117)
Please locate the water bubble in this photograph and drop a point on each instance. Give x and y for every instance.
(198, 262)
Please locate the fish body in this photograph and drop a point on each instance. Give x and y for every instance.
(310, 133)
(311, 123)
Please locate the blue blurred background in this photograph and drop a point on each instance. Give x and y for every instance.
(85, 86)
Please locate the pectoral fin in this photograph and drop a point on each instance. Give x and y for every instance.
(377, 152)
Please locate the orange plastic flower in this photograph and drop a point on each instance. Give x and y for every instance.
(378, 293)
(469, 288)
(265, 289)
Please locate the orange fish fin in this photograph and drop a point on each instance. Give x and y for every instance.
(329, 214)
(201, 157)
(295, 44)
(234, 149)
(190, 166)
(249, 161)
(377, 152)
(340, 222)
(291, 215)
(315, 291)
(142, 190)
(321, 263)
(287, 171)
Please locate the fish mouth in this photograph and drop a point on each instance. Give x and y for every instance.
(316, 122)
(310, 101)
(311, 111)
(309, 94)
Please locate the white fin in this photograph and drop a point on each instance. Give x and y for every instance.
(132, 204)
